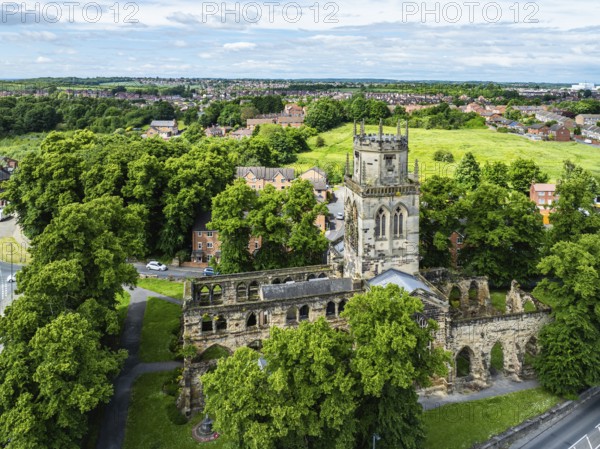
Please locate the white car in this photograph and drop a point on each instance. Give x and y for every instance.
(154, 265)
(339, 215)
(11, 278)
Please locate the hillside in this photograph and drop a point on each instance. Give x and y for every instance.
(486, 145)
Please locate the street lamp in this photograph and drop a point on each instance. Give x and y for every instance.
(376, 438)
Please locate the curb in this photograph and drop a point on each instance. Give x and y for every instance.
(522, 430)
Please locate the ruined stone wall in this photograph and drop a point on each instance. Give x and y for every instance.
(516, 299)
(479, 335)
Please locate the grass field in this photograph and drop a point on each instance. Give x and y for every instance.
(461, 425)
(174, 289)
(498, 300)
(152, 422)
(160, 328)
(17, 147)
(485, 144)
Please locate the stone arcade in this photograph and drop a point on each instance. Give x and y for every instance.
(380, 247)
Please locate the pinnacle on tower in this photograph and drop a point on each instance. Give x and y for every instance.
(348, 160)
(380, 129)
(362, 128)
(354, 128)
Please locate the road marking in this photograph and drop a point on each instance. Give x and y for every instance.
(589, 441)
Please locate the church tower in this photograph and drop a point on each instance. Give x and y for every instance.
(381, 206)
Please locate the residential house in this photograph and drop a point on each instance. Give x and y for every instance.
(205, 242)
(544, 196)
(240, 134)
(539, 129)
(518, 127)
(560, 133)
(252, 123)
(587, 119)
(591, 132)
(258, 177)
(293, 109)
(545, 116)
(217, 131)
(318, 178)
(457, 242)
(295, 121)
(163, 128)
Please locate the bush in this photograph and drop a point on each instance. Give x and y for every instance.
(320, 142)
(443, 156)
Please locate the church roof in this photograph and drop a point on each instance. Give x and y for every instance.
(404, 280)
(308, 288)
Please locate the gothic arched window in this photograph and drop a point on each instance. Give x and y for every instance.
(380, 223)
(398, 222)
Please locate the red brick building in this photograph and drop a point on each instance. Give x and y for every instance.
(544, 196)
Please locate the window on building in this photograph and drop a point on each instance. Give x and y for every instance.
(199, 245)
(255, 245)
(542, 193)
(209, 234)
(380, 223)
(209, 245)
(398, 225)
(459, 240)
(209, 258)
(541, 201)
(199, 233)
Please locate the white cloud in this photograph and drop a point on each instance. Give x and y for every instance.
(237, 46)
(180, 44)
(43, 60)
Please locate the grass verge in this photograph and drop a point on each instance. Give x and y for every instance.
(152, 422)
(160, 331)
(174, 289)
(462, 425)
(11, 251)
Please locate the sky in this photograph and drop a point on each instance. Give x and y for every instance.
(543, 41)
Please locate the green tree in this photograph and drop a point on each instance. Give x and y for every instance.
(392, 354)
(439, 217)
(324, 114)
(305, 397)
(495, 173)
(569, 360)
(524, 172)
(575, 213)
(503, 233)
(193, 179)
(230, 210)
(47, 180)
(468, 172)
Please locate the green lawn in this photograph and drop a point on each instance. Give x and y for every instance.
(498, 300)
(174, 289)
(152, 422)
(458, 426)
(159, 331)
(19, 146)
(485, 144)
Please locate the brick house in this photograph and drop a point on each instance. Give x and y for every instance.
(318, 178)
(544, 196)
(163, 128)
(258, 177)
(457, 242)
(560, 133)
(538, 129)
(205, 242)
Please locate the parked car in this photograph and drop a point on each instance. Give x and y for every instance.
(209, 271)
(154, 265)
(11, 278)
(339, 215)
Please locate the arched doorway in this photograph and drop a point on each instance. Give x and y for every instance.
(304, 313)
(330, 311)
(291, 315)
(497, 359)
(464, 361)
(251, 321)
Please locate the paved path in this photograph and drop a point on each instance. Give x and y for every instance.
(501, 386)
(112, 430)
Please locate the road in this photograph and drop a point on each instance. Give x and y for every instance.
(578, 430)
(6, 288)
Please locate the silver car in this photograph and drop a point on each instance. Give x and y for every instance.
(154, 265)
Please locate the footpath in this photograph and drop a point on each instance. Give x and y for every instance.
(112, 430)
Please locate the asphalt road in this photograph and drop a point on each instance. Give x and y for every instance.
(7, 288)
(578, 430)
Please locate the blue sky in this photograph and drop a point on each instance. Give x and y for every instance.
(552, 41)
